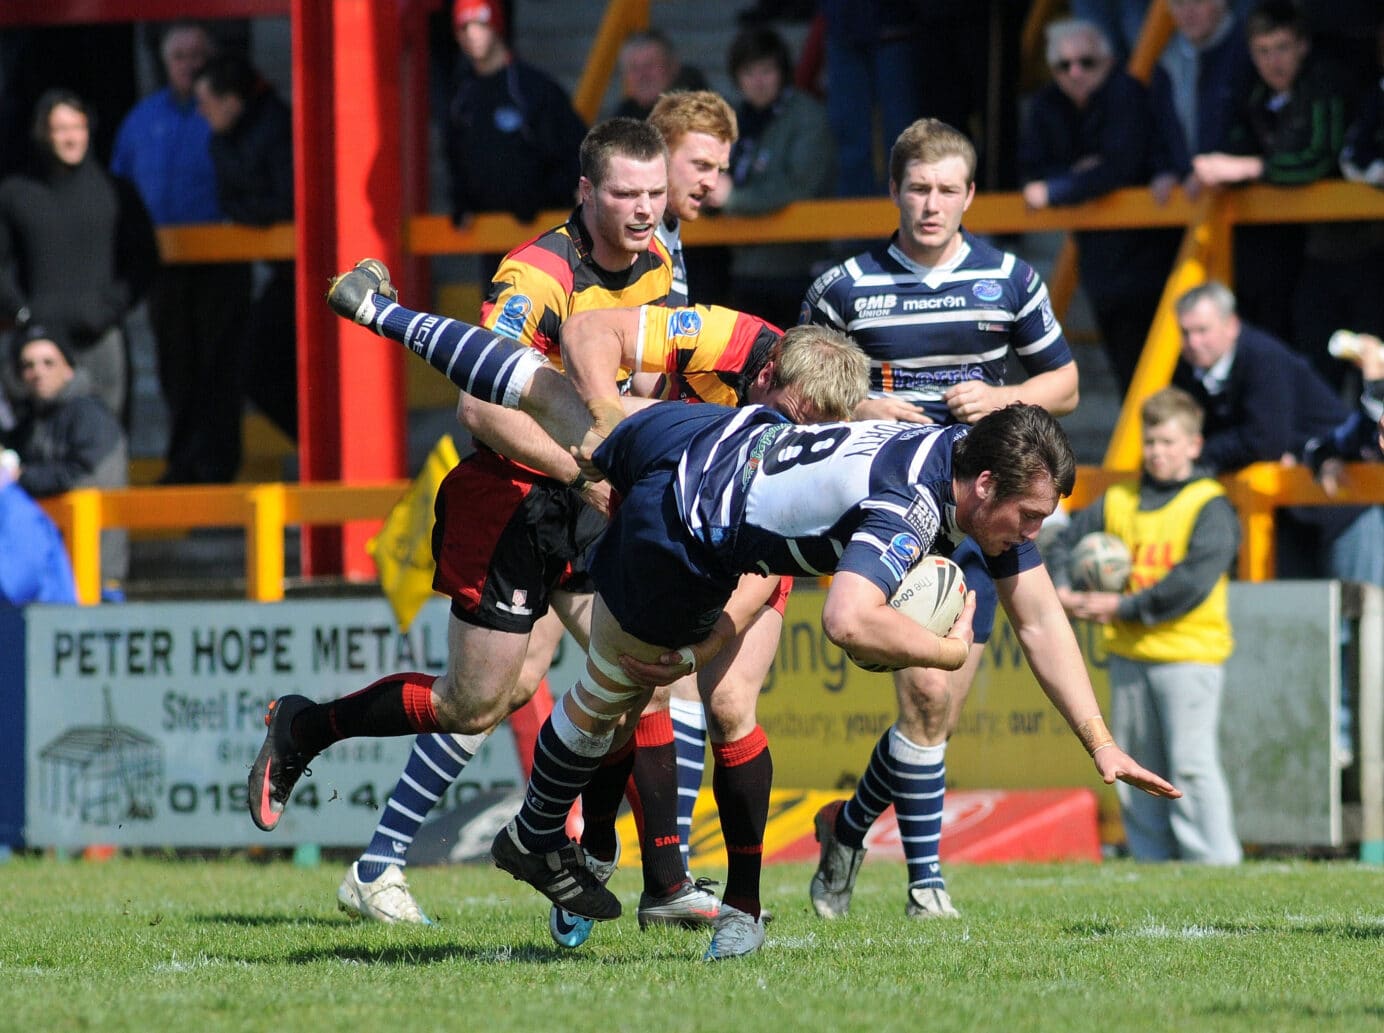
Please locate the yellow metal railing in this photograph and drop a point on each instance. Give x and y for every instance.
(265, 511)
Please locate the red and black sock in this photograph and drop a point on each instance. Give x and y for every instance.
(656, 780)
(600, 802)
(397, 704)
(744, 772)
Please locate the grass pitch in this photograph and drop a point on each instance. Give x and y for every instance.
(139, 944)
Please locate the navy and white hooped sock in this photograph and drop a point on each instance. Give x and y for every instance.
(689, 739)
(873, 793)
(564, 759)
(436, 761)
(487, 365)
(920, 777)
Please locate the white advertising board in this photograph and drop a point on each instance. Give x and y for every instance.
(143, 720)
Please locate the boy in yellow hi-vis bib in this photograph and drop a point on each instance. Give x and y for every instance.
(1168, 633)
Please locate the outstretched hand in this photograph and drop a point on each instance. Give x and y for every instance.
(1113, 762)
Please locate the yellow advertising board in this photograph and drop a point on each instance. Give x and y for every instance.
(823, 715)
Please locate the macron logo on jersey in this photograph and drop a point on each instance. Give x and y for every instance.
(930, 304)
(873, 305)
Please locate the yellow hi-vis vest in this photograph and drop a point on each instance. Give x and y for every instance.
(1157, 541)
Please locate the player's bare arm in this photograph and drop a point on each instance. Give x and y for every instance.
(1056, 391)
(857, 617)
(889, 408)
(517, 436)
(1051, 649)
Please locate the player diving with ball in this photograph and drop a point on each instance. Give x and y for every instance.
(709, 494)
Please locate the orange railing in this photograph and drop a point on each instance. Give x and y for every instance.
(265, 511)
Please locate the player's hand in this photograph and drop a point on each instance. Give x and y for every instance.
(1332, 476)
(889, 409)
(961, 628)
(1162, 187)
(597, 495)
(670, 666)
(1093, 606)
(971, 400)
(1113, 762)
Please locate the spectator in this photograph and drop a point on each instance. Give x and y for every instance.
(77, 248)
(1343, 263)
(252, 152)
(33, 563)
(785, 153)
(1196, 90)
(512, 136)
(1289, 132)
(164, 148)
(1357, 437)
(1167, 634)
(66, 438)
(1264, 402)
(1362, 157)
(1089, 132)
(649, 67)
(872, 69)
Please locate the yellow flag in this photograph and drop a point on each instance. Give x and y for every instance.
(403, 548)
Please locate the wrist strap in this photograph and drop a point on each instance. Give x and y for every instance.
(579, 483)
(1094, 735)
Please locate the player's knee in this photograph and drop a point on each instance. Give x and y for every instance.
(468, 709)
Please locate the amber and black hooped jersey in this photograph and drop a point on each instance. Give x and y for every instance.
(540, 283)
(705, 352)
(927, 329)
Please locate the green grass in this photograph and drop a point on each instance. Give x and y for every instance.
(137, 944)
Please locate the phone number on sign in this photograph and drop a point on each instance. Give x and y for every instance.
(191, 798)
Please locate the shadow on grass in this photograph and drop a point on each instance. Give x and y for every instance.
(1306, 1010)
(418, 953)
(247, 920)
(527, 954)
(1336, 930)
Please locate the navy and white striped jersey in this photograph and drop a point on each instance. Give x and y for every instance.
(872, 497)
(927, 329)
(669, 234)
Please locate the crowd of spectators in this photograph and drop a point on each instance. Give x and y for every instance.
(1271, 92)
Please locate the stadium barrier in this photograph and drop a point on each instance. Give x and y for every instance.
(139, 721)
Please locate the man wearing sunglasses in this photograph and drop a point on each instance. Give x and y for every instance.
(1088, 132)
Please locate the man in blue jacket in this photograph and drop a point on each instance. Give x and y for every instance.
(162, 147)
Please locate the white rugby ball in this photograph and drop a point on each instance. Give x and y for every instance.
(1099, 563)
(931, 594)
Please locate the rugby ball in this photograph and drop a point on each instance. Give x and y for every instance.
(931, 594)
(1099, 563)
